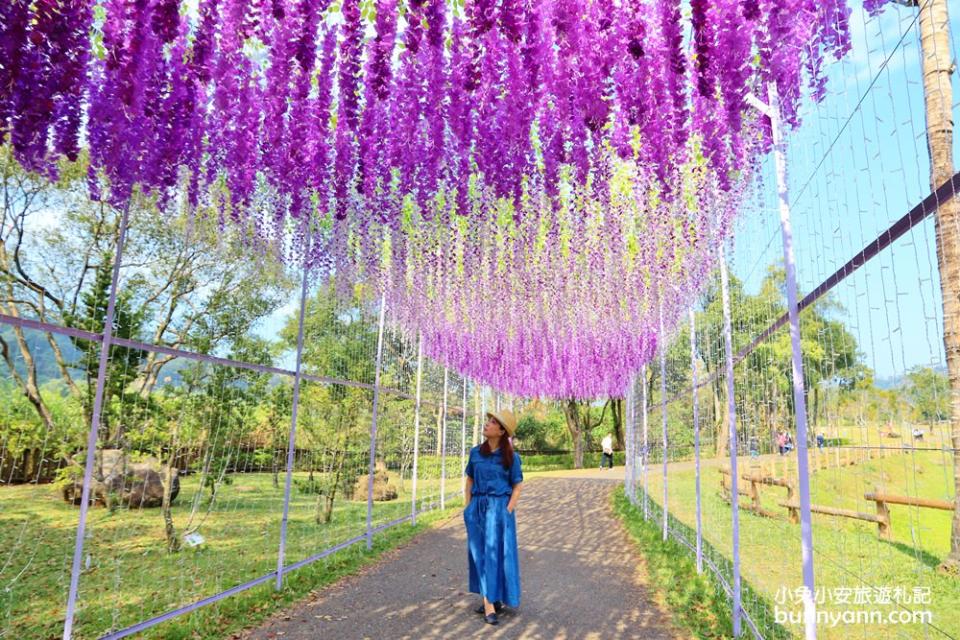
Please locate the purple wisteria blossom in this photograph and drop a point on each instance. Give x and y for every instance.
(526, 181)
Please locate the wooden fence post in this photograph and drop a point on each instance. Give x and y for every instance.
(883, 513)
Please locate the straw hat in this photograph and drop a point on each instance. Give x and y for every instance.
(506, 419)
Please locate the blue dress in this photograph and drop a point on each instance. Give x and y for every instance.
(491, 530)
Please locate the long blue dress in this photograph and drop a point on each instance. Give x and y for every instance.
(491, 529)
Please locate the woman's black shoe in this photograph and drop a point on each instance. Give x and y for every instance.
(497, 607)
(491, 619)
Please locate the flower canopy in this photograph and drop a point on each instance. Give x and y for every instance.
(527, 182)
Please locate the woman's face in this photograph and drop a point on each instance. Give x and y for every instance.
(492, 429)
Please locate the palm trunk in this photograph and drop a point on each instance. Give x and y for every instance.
(938, 99)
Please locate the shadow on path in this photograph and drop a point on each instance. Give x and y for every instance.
(580, 578)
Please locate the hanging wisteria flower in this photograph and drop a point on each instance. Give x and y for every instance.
(572, 162)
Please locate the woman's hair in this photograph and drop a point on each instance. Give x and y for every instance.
(506, 449)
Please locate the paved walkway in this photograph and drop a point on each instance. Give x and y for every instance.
(580, 576)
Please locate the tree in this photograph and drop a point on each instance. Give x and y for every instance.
(339, 339)
(213, 413)
(124, 362)
(938, 65)
(579, 424)
(184, 284)
(928, 393)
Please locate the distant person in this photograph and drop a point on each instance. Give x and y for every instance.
(607, 445)
(788, 446)
(917, 433)
(820, 441)
(781, 442)
(492, 487)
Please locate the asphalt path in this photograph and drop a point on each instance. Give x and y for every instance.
(581, 577)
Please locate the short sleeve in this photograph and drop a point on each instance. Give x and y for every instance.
(516, 473)
(468, 471)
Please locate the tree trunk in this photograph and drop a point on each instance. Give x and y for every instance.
(815, 414)
(938, 100)
(571, 410)
(169, 530)
(616, 410)
(721, 419)
(332, 493)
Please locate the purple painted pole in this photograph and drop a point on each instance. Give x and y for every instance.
(416, 428)
(633, 440)
(291, 442)
(631, 428)
(443, 442)
(478, 433)
(646, 441)
(663, 411)
(94, 428)
(463, 441)
(732, 419)
(799, 398)
(696, 434)
(373, 422)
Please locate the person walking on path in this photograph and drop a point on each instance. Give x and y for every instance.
(493, 484)
(607, 445)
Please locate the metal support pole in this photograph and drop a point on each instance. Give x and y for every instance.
(631, 445)
(646, 440)
(463, 441)
(799, 397)
(635, 439)
(443, 442)
(732, 419)
(696, 435)
(772, 111)
(477, 395)
(94, 427)
(663, 411)
(416, 430)
(373, 422)
(292, 438)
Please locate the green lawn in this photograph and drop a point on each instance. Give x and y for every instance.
(847, 552)
(129, 576)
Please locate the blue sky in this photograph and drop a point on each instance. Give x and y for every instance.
(876, 170)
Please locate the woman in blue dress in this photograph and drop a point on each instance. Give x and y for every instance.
(492, 490)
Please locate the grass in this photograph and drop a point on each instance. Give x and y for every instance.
(847, 553)
(129, 576)
(697, 601)
(558, 461)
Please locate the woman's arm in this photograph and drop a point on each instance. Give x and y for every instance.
(512, 504)
(467, 491)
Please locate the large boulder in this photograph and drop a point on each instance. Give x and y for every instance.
(383, 490)
(119, 480)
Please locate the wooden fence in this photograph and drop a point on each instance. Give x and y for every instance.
(820, 459)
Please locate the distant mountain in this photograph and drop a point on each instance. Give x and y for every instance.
(41, 351)
(46, 362)
(893, 382)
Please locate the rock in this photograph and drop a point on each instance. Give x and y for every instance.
(383, 491)
(131, 484)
